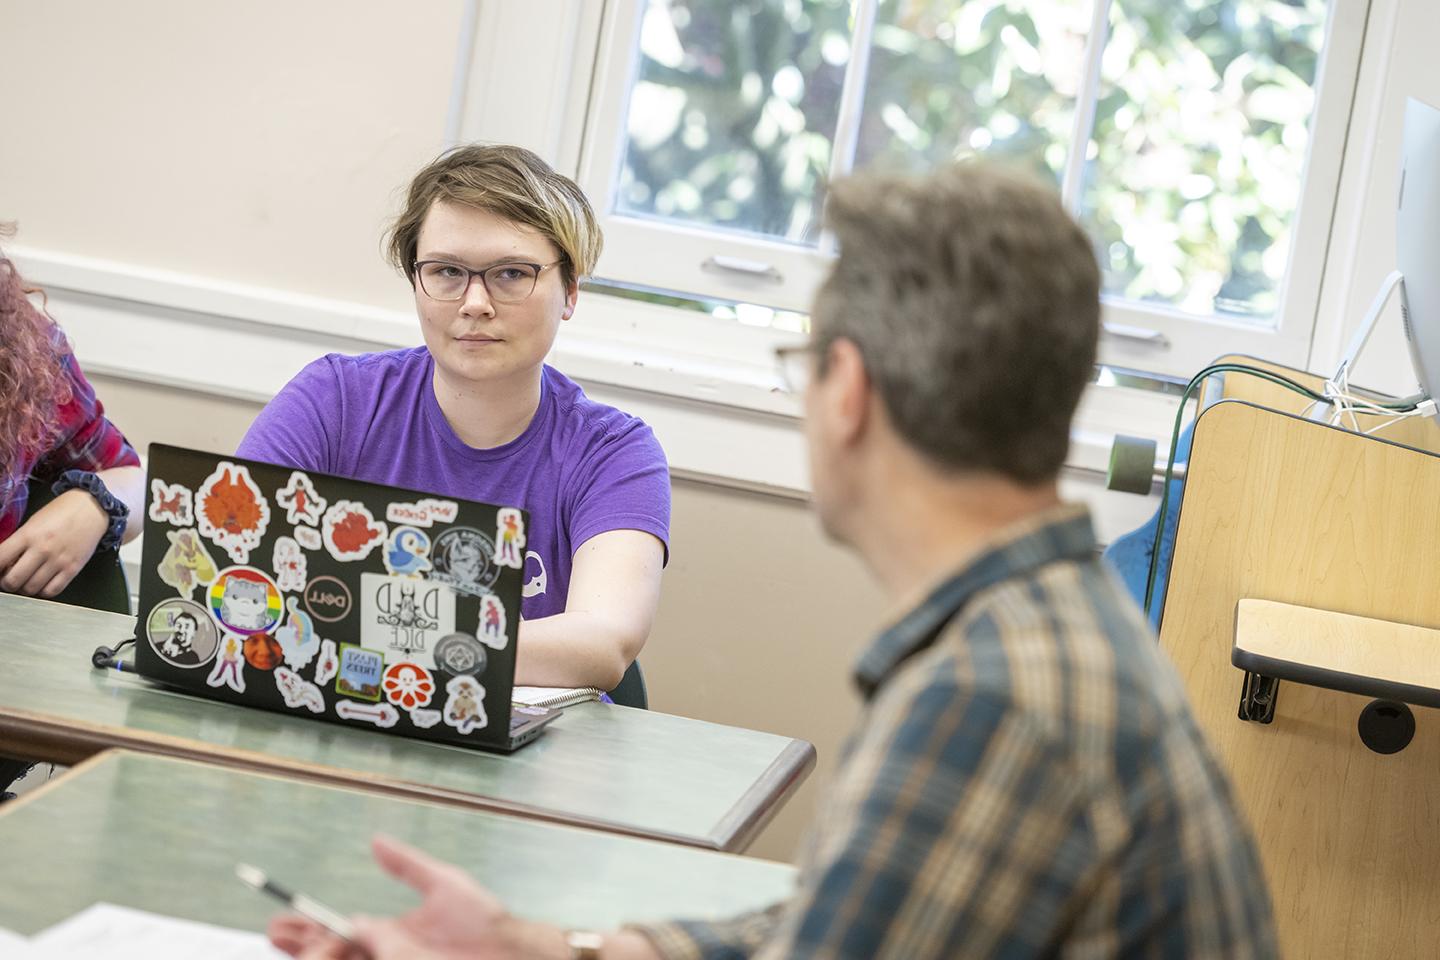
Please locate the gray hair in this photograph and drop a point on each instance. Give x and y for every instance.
(974, 299)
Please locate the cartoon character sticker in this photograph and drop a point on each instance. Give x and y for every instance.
(262, 651)
(463, 558)
(403, 617)
(381, 714)
(182, 633)
(245, 600)
(460, 654)
(302, 504)
(290, 565)
(408, 685)
(170, 503)
(298, 692)
(308, 537)
(186, 564)
(231, 511)
(509, 538)
(297, 639)
(423, 513)
(360, 671)
(229, 667)
(424, 719)
(492, 623)
(328, 664)
(407, 552)
(465, 710)
(350, 532)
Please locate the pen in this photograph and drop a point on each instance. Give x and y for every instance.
(305, 906)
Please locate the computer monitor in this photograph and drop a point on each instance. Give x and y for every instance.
(1417, 257)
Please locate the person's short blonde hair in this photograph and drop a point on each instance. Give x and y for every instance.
(510, 182)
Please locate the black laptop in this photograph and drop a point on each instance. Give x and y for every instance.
(333, 599)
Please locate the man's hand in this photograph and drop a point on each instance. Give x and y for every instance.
(456, 919)
(43, 556)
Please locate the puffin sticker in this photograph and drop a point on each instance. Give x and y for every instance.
(329, 663)
(229, 666)
(186, 564)
(231, 511)
(509, 538)
(302, 504)
(408, 685)
(423, 513)
(465, 710)
(170, 503)
(381, 714)
(492, 623)
(350, 532)
(298, 692)
(297, 639)
(290, 565)
(407, 552)
(245, 600)
(308, 537)
(182, 633)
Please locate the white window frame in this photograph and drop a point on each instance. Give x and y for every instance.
(1139, 336)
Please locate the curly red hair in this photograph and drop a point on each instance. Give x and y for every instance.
(33, 382)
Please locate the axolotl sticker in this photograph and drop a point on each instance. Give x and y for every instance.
(403, 617)
(170, 503)
(350, 531)
(231, 511)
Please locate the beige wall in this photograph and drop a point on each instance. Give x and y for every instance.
(759, 620)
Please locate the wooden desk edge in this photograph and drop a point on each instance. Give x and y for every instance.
(786, 772)
(44, 739)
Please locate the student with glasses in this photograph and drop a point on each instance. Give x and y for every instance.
(494, 243)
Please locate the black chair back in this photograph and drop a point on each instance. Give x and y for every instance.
(631, 690)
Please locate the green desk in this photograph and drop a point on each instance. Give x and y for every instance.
(611, 768)
(164, 835)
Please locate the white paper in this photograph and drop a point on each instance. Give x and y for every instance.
(107, 932)
(15, 947)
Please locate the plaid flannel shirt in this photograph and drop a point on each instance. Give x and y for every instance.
(1027, 781)
(84, 440)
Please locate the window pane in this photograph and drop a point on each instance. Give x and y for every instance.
(950, 78)
(733, 112)
(1194, 174)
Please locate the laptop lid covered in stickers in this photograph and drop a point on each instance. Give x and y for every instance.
(330, 598)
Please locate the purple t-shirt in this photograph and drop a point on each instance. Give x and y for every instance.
(581, 468)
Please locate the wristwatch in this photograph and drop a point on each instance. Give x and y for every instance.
(584, 944)
(116, 510)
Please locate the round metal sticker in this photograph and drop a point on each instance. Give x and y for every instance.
(460, 654)
(464, 558)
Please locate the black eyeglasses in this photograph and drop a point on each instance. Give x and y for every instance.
(511, 282)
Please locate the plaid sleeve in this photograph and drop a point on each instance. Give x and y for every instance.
(735, 937)
(955, 830)
(86, 440)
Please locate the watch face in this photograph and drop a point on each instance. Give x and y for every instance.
(584, 945)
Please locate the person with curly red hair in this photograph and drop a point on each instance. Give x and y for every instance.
(53, 430)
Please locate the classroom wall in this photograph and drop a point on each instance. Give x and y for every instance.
(759, 618)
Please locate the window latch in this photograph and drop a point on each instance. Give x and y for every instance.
(753, 268)
(1144, 335)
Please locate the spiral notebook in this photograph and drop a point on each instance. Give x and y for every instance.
(552, 697)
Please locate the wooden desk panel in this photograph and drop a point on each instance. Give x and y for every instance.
(164, 835)
(627, 771)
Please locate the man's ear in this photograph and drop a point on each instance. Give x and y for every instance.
(847, 388)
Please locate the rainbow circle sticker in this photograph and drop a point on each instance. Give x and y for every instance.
(245, 600)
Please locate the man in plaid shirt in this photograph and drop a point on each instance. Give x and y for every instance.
(1027, 779)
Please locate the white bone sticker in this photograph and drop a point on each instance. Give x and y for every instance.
(231, 511)
(308, 537)
(229, 666)
(350, 532)
(491, 631)
(381, 714)
(465, 710)
(404, 617)
(302, 504)
(424, 719)
(298, 692)
(186, 564)
(509, 538)
(423, 513)
(170, 503)
(290, 565)
(329, 663)
(407, 552)
(297, 639)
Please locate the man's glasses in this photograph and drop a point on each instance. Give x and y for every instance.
(510, 282)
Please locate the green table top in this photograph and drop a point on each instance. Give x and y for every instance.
(161, 834)
(614, 768)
